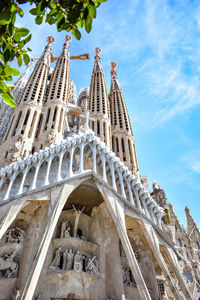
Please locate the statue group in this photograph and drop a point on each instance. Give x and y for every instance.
(8, 267)
(15, 235)
(75, 260)
(128, 277)
(66, 230)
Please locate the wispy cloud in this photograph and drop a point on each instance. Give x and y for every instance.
(192, 160)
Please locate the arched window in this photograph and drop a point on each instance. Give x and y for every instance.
(179, 242)
(197, 243)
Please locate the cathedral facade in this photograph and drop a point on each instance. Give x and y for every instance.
(77, 220)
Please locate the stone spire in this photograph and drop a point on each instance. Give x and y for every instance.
(59, 82)
(36, 86)
(7, 111)
(98, 102)
(54, 109)
(26, 119)
(123, 143)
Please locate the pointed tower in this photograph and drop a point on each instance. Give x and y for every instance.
(6, 111)
(52, 118)
(98, 102)
(25, 120)
(123, 143)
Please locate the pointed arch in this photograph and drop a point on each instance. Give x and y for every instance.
(16, 185)
(76, 160)
(87, 158)
(29, 179)
(108, 174)
(41, 175)
(99, 168)
(65, 164)
(53, 173)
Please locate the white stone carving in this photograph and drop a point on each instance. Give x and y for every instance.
(8, 268)
(15, 235)
(138, 196)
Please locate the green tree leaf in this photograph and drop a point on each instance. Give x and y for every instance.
(92, 10)
(5, 18)
(26, 59)
(76, 33)
(38, 20)
(15, 72)
(33, 11)
(8, 98)
(22, 31)
(19, 60)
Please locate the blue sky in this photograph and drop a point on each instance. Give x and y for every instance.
(157, 47)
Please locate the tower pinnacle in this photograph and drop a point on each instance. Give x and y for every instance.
(68, 39)
(113, 72)
(46, 55)
(97, 51)
(123, 143)
(98, 101)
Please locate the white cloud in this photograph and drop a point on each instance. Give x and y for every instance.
(192, 160)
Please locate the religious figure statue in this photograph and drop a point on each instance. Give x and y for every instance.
(15, 235)
(38, 297)
(15, 294)
(8, 266)
(92, 266)
(70, 256)
(128, 278)
(64, 266)
(67, 232)
(78, 262)
(56, 261)
(65, 229)
(77, 216)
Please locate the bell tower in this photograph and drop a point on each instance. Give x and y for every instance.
(98, 102)
(22, 129)
(123, 142)
(52, 117)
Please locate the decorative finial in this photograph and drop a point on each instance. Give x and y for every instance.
(68, 39)
(50, 40)
(97, 51)
(113, 66)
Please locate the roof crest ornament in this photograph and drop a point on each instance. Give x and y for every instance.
(113, 73)
(97, 51)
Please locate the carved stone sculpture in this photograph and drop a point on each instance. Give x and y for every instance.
(8, 268)
(128, 278)
(92, 266)
(70, 257)
(78, 262)
(64, 266)
(56, 261)
(64, 229)
(15, 235)
(67, 232)
(15, 294)
(77, 216)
